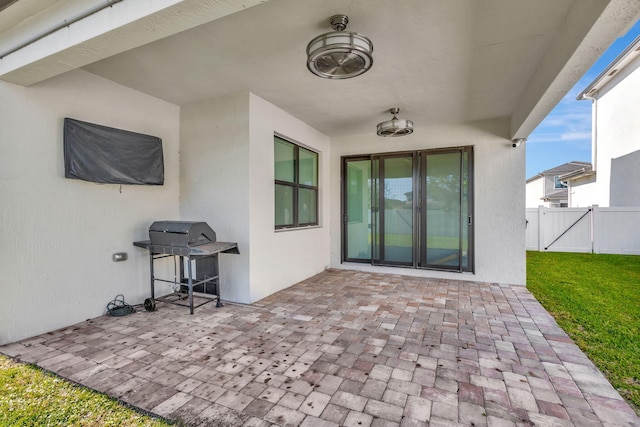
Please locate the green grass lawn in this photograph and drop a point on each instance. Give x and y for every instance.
(596, 300)
(31, 397)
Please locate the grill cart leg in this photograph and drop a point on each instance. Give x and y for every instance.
(190, 283)
(153, 278)
(218, 285)
(218, 302)
(150, 303)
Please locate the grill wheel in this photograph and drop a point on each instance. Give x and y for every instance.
(150, 304)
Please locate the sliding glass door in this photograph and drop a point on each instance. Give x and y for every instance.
(357, 210)
(394, 208)
(379, 213)
(409, 209)
(445, 220)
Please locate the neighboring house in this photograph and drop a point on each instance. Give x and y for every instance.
(615, 178)
(549, 188)
(281, 161)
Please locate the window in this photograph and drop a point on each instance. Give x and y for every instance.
(296, 185)
(557, 183)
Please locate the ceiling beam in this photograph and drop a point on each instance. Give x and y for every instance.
(112, 30)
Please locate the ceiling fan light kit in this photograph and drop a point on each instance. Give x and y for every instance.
(340, 54)
(395, 126)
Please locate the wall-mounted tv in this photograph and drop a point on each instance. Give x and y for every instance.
(106, 155)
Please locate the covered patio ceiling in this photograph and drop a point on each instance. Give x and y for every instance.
(441, 62)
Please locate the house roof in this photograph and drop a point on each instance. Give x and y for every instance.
(441, 62)
(556, 195)
(626, 57)
(565, 168)
(577, 174)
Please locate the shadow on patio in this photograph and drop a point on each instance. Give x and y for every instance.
(343, 348)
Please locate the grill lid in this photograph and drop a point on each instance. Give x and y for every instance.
(181, 233)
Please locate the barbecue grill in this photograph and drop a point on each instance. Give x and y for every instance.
(194, 244)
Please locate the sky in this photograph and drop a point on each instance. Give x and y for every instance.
(565, 134)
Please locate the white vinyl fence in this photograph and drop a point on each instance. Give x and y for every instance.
(593, 229)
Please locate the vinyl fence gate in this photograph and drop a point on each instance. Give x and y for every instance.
(592, 230)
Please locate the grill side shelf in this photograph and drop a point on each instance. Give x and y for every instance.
(200, 250)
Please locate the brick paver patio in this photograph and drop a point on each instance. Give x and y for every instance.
(343, 348)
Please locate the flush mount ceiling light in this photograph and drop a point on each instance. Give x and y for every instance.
(341, 54)
(395, 126)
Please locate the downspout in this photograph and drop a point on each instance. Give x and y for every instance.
(594, 132)
(65, 23)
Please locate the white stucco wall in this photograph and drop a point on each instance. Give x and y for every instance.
(58, 235)
(618, 134)
(282, 258)
(534, 193)
(214, 181)
(499, 196)
(227, 180)
(581, 192)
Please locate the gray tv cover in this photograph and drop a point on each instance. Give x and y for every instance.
(103, 154)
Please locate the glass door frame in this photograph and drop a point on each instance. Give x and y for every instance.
(377, 196)
(344, 208)
(377, 215)
(463, 221)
